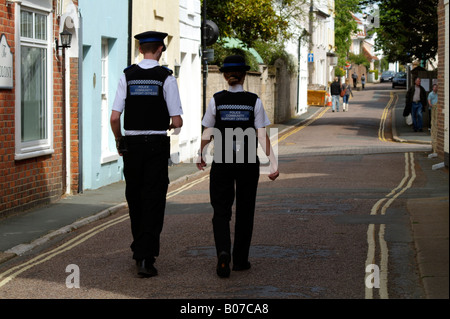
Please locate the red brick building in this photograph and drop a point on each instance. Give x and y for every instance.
(38, 106)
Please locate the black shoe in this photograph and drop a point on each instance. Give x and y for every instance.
(244, 266)
(223, 265)
(146, 268)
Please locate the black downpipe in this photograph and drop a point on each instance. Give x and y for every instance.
(80, 104)
(298, 72)
(130, 36)
(204, 58)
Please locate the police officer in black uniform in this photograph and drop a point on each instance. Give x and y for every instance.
(149, 95)
(235, 119)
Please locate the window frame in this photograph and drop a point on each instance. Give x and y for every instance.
(38, 147)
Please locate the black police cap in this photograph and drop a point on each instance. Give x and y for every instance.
(234, 63)
(151, 36)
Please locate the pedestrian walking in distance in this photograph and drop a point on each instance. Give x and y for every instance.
(416, 100)
(354, 78)
(148, 93)
(235, 169)
(347, 91)
(335, 89)
(432, 110)
(363, 81)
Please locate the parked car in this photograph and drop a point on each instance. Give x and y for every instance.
(399, 79)
(387, 76)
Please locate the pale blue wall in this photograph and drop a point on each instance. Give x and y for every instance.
(101, 19)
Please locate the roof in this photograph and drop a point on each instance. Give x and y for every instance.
(361, 33)
(358, 20)
(369, 55)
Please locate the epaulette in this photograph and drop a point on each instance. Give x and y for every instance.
(128, 67)
(168, 70)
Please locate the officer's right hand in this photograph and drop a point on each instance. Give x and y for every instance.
(121, 145)
(201, 163)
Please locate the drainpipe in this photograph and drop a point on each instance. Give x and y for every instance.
(298, 73)
(130, 36)
(311, 31)
(80, 103)
(66, 119)
(204, 58)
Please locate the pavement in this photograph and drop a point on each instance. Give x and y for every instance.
(429, 215)
(25, 231)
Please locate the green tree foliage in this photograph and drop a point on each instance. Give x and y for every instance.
(344, 27)
(408, 29)
(383, 64)
(270, 52)
(263, 25)
(247, 20)
(359, 59)
(220, 53)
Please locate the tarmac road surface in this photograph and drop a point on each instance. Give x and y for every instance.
(334, 225)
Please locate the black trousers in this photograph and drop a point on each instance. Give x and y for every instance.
(227, 182)
(146, 176)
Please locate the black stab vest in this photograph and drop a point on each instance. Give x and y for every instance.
(236, 111)
(145, 106)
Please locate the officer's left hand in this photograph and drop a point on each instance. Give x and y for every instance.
(176, 130)
(274, 175)
(201, 163)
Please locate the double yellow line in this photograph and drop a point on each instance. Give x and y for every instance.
(391, 104)
(380, 207)
(301, 127)
(186, 186)
(13, 272)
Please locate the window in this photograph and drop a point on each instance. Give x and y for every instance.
(33, 113)
(33, 94)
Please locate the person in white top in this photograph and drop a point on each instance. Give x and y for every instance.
(235, 168)
(171, 95)
(148, 93)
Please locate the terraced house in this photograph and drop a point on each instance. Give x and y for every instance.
(55, 98)
(39, 139)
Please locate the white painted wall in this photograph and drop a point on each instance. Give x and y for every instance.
(189, 80)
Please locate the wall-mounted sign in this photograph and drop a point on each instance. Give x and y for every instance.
(6, 64)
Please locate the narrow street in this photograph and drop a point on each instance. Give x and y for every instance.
(336, 215)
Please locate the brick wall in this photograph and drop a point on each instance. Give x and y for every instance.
(27, 183)
(74, 144)
(438, 144)
(274, 85)
(7, 100)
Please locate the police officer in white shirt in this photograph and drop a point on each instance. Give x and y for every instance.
(235, 168)
(148, 93)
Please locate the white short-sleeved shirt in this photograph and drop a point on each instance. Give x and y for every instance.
(261, 119)
(171, 95)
